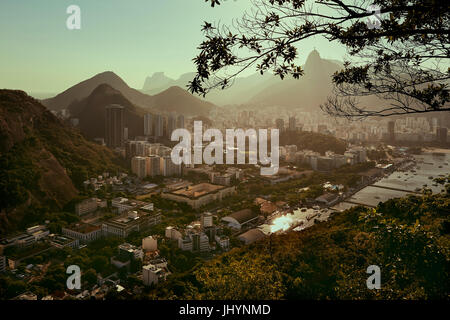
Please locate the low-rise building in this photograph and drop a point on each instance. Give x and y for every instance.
(327, 199)
(223, 241)
(125, 254)
(24, 240)
(251, 235)
(87, 206)
(83, 232)
(240, 219)
(200, 194)
(222, 179)
(130, 251)
(63, 241)
(121, 204)
(131, 221)
(152, 274)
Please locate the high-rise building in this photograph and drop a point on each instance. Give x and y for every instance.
(391, 130)
(159, 125)
(180, 121)
(153, 165)
(168, 168)
(292, 124)
(200, 242)
(148, 124)
(207, 220)
(171, 125)
(139, 166)
(279, 123)
(441, 134)
(114, 126)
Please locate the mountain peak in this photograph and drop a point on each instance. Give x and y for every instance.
(313, 59)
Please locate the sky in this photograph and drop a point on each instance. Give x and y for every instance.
(133, 38)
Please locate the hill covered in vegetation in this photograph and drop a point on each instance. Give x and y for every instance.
(408, 238)
(313, 141)
(43, 161)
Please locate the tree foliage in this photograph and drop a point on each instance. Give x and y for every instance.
(400, 57)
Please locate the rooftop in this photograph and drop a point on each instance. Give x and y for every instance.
(243, 216)
(83, 228)
(198, 190)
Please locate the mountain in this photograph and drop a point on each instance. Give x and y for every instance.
(242, 89)
(85, 88)
(239, 92)
(164, 101)
(159, 82)
(176, 99)
(43, 161)
(91, 112)
(308, 92)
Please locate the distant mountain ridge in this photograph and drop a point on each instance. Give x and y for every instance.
(183, 102)
(159, 82)
(308, 92)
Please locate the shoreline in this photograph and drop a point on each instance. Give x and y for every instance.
(432, 149)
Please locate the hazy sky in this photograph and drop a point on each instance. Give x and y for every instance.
(133, 38)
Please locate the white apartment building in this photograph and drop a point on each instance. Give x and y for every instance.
(151, 274)
(173, 233)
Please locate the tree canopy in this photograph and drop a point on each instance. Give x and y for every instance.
(399, 51)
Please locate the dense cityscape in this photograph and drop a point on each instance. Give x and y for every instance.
(280, 167)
